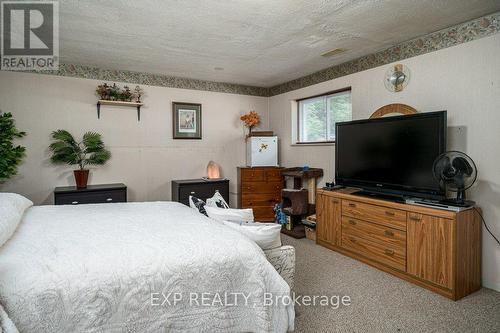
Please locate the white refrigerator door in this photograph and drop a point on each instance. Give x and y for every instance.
(262, 151)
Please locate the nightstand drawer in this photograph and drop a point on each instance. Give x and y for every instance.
(91, 197)
(202, 191)
(200, 188)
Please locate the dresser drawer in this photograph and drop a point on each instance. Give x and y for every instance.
(262, 187)
(264, 199)
(274, 175)
(253, 175)
(263, 214)
(91, 197)
(383, 235)
(390, 217)
(392, 257)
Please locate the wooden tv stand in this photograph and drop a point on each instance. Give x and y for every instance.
(436, 249)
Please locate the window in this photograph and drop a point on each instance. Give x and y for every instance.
(317, 116)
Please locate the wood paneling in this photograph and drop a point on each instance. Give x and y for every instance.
(433, 248)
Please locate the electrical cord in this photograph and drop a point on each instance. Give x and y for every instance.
(486, 226)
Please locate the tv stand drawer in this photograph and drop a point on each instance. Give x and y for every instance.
(376, 233)
(385, 216)
(393, 257)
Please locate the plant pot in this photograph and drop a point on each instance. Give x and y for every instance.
(81, 178)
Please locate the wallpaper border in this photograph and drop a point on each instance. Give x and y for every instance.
(160, 80)
(465, 32)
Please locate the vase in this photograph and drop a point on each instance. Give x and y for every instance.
(81, 178)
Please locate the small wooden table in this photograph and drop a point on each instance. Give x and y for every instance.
(103, 193)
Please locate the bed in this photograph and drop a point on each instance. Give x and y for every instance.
(118, 268)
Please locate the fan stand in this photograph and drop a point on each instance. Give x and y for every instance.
(459, 201)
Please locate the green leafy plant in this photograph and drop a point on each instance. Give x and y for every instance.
(89, 151)
(10, 155)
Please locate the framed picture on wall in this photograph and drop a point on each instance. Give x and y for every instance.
(186, 120)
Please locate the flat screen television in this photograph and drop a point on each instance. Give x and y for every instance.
(391, 155)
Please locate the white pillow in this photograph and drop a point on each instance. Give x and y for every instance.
(12, 207)
(217, 200)
(266, 235)
(230, 214)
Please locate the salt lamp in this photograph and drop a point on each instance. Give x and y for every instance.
(213, 170)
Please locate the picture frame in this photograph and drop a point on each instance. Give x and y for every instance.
(186, 120)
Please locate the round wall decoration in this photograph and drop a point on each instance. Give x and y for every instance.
(397, 78)
(393, 109)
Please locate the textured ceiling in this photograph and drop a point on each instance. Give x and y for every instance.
(255, 42)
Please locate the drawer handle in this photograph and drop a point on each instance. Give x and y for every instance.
(389, 252)
(193, 192)
(389, 233)
(109, 199)
(352, 222)
(74, 202)
(415, 218)
(389, 213)
(352, 239)
(352, 205)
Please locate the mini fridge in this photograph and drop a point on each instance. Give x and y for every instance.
(262, 151)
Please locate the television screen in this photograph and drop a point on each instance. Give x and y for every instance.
(392, 154)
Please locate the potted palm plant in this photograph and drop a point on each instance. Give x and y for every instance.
(89, 151)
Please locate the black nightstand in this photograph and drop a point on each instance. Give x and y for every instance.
(200, 188)
(105, 193)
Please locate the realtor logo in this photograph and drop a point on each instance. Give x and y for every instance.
(30, 35)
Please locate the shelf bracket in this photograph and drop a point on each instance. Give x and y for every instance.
(98, 110)
(138, 113)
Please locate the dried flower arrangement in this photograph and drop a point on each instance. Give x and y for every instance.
(114, 93)
(250, 120)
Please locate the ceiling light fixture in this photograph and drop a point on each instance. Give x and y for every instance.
(332, 52)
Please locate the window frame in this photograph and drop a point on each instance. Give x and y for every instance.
(298, 129)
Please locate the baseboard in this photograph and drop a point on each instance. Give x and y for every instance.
(491, 285)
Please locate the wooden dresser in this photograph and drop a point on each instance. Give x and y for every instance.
(260, 188)
(436, 249)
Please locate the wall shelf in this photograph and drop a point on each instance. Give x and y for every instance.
(119, 103)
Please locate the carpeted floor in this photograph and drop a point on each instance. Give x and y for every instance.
(380, 301)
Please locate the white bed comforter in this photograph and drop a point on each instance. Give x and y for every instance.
(93, 268)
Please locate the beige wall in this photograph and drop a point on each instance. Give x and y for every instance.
(145, 157)
(465, 80)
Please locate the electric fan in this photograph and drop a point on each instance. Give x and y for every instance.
(456, 172)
